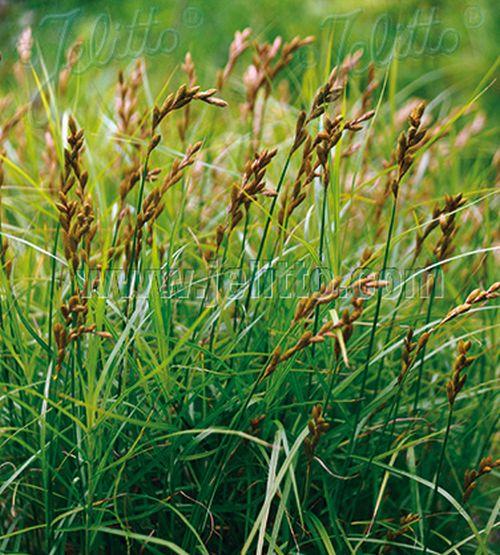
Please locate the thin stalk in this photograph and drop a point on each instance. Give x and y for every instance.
(214, 324)
(240, 269)
(391, 418)
(331, 383)
(371, 343)
(387, 339)
(207, 288)
(432, 499)
(217, 466)
(44, 438)
(320, 257)
(133, 263)
(264, 235)
(377, 310)
(396, 401)
(422, 354)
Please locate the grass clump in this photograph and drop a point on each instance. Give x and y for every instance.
(227, 315)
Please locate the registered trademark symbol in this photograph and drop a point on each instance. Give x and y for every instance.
(473, 17)
(192, 17)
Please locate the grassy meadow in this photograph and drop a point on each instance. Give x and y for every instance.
(248, 278)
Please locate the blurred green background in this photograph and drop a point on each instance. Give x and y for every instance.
(442, 45)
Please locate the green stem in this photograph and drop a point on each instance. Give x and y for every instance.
(320, 256)
(44, 437)
(240, 269)
(422, 354)
(371, 343)
(264, 236)
(432, 499)
(133, 262)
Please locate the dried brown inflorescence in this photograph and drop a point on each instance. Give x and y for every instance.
(405, 524)
(316, 151)
(362, 288)
(371, 86)
(324, 141)
(182, 97)
(475, 297)
(301, 134)
(408, 144)
(72, 57)
(11, 123)
(346, 324)
(236, 49)
(25, 45)
(190, 71)
(50, 163)
(326, 294)
(76, 215)
(325, 95)
(411, 349)
(127, 102)
(139, 172)
(406, 357)
(153, 204)
(293, 197)
(457, 381)
(74, 326)
(331, 134)
(269, 59)
(486, 465)
(448, 226)
(333, 88)
(132, 132)
(445, 218)
(252, 185)
(366, 285)
(318, 427)
(330, 329)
